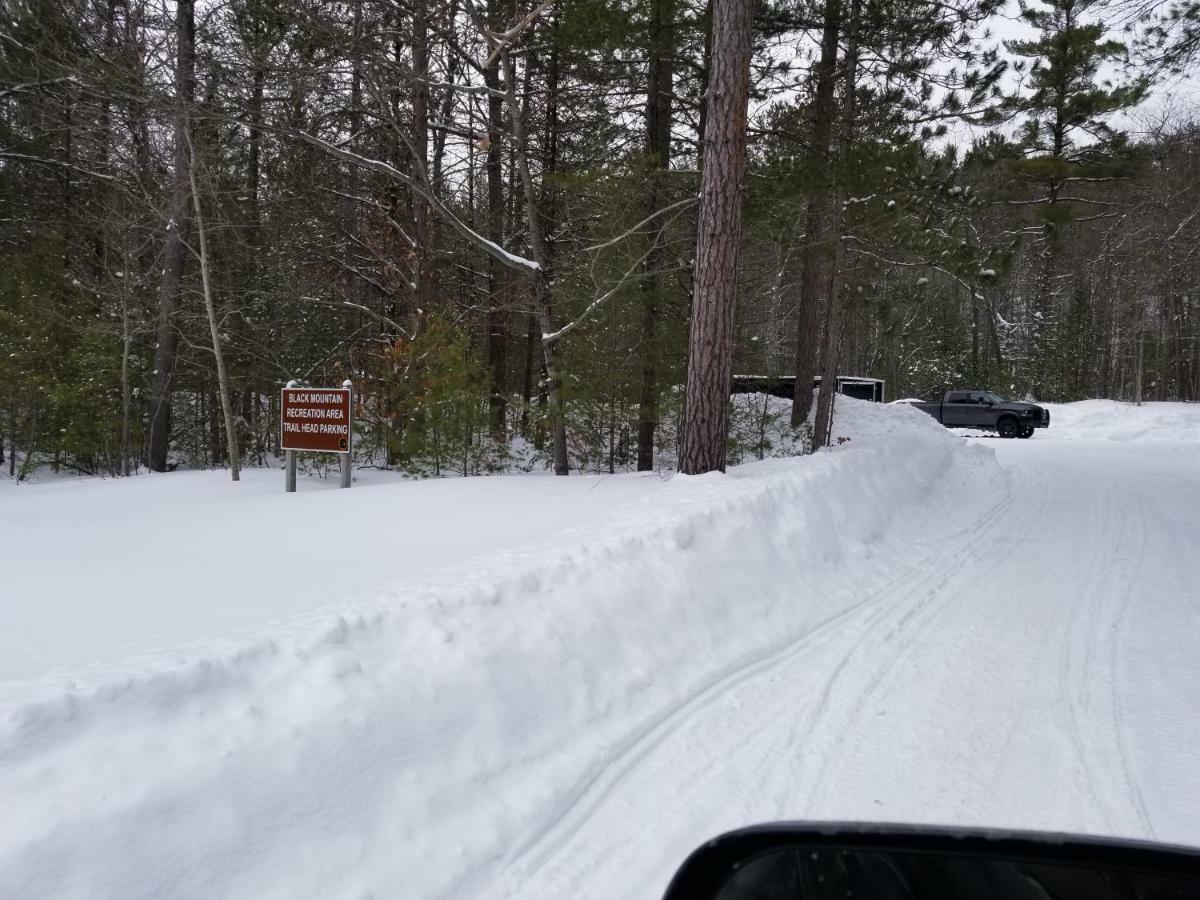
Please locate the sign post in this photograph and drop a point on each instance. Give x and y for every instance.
(289, 459)
(349, 386)
(318, 420)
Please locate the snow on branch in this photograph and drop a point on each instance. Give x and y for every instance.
(33, 85)
(922, 264)
(468, 88)
(554, 336)
(493, 249)
(501, 42)
(1184, 224)
(646, 221)
(47, 161)
(378, 316)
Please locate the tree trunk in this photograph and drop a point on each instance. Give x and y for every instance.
(530, 372)
(177, 230)
(1137, 383)
(547, 259)
(498, 276)
(816, 249)
(541, 281)
(823, 420)
(12, 435)
(126, 389)
(422, 219)
(658, 150)
(445, 115)
(710, 338)
(231, 435)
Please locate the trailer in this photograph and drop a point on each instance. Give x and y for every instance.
(859, 386)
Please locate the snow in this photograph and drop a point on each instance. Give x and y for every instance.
(1109, 420)
(910, 626)
(96, 571)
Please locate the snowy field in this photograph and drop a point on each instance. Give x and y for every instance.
(549, 688)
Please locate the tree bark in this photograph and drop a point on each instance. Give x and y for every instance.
(710, 338)
(178, 225)
(498, 276)
(529, 372)
(823, 420)
(12, 435)
(540, 277)
(1137, 381)
(422, 219)
(659, 92)
(231, 435)
(126, 388)
(816, 248)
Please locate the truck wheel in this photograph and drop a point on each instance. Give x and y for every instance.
(1007, 427)
(1025, 433)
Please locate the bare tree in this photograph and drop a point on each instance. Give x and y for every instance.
(211, 311)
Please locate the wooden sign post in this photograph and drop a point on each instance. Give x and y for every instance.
(317, 420)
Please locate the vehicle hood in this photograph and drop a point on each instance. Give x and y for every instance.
(1018, 406)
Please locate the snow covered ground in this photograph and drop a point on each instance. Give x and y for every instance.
(110, 577)
(1108, 420)
(564, 701)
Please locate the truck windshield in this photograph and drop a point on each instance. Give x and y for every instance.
(995, 398)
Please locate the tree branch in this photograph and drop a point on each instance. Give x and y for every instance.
(511, 260)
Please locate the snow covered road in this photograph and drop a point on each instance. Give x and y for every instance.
(1042, 670)
(913, 627)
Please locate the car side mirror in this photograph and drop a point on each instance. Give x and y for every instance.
(891, 862)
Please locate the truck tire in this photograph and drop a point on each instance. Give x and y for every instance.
(1007, 426)
(1025, 433)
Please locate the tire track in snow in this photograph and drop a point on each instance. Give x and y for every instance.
(1073, 684)
(929, 609)
(912, 612)
(606, 774)
(1093, 693)
(1115, 642)
(727, 764)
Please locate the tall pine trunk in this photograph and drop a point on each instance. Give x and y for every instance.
(710, 337)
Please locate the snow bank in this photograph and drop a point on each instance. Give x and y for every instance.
(1110, 420)
(96, 571)
(410, 744)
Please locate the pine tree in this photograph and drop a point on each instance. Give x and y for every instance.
(1067, 143)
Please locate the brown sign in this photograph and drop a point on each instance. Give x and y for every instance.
(315, 419)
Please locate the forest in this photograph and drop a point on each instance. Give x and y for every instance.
(486, 216)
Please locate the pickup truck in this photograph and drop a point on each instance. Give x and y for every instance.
(987, 412)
